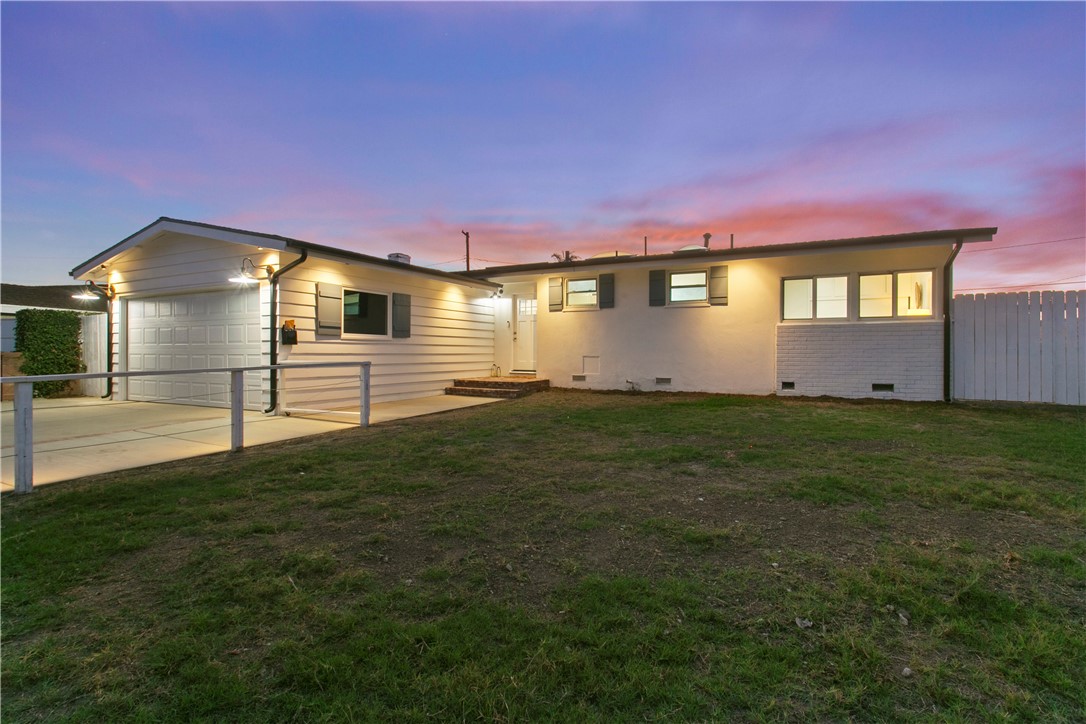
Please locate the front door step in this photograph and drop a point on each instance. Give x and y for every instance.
(501, 387)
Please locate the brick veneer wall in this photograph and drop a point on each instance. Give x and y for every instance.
(845, 360)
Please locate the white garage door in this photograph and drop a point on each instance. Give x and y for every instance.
(194, 331)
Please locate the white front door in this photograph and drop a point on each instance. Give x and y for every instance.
(524, 334)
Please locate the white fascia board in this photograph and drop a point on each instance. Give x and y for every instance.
(165, 226)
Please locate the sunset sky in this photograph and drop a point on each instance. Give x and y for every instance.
(546, 127)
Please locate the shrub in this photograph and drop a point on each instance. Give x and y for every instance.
(50, 344)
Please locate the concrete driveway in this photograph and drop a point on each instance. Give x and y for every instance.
(80, 436)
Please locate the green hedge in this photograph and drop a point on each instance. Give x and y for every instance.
(49, 341)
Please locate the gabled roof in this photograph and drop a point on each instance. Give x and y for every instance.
(750, 252)
(49, 297)
(166, 224)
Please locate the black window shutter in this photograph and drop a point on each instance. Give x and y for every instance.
(607, 291)
(556, 294)
(718, 285)
(657, 288)
(329, 309)
(401, 315)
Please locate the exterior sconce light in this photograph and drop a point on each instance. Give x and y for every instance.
(249, 270)
(91, 292)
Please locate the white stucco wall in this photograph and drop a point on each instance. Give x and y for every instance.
(731, 348)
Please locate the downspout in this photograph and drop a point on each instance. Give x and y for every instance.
(109, 348)
(948, 301)
(273, 322)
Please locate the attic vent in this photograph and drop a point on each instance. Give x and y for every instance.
(399, 257)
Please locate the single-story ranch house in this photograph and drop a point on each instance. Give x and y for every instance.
(862, 317)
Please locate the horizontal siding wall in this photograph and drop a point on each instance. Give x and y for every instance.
(452, 335)
(846, 360)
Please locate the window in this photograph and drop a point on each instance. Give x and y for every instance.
(831, 297)
(876, 295)
(798, 298)
(816, 298)
(584, 293)
(914, 294)
(581, 293)
(365, 313)
(688, 286)
(900, 294)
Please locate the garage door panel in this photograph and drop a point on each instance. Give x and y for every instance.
(219, 329)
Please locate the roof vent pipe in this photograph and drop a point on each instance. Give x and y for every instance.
(400, 258)
(706, 235)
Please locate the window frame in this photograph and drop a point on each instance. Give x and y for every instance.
(895, 313)
(853, 301)
(813, 279)
(703, 302)
(344, 334)
(567, 305)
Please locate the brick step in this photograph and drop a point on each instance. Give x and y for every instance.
(530, 384)
(505, 393)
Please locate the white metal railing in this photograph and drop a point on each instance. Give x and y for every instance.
(24, 404)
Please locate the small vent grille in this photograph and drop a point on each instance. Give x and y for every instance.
(882, 387)
(663, 380)
(788, 385)
(579, 378)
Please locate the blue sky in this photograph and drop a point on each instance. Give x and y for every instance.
(546, 127)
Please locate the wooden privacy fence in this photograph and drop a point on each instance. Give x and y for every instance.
(1020, 346)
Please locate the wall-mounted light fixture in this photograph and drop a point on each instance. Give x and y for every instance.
(248, 274)
(498, 293)
(91, 292)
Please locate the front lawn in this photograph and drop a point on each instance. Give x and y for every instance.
(570, 556)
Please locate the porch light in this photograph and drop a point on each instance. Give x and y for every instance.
(92, 292)
(248, 272)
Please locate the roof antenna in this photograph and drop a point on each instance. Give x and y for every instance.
(467, 249)
(707, 236)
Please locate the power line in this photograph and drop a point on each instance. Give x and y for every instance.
(1019, 246)
(1058, 282)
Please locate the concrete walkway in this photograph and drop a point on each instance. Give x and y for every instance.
(79, 436)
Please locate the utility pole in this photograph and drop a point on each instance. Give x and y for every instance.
(467, 248)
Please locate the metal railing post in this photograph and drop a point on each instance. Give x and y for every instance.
(237, 410)
(24, 437)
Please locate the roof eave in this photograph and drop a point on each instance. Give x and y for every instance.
(166, 224)
(949, 236)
